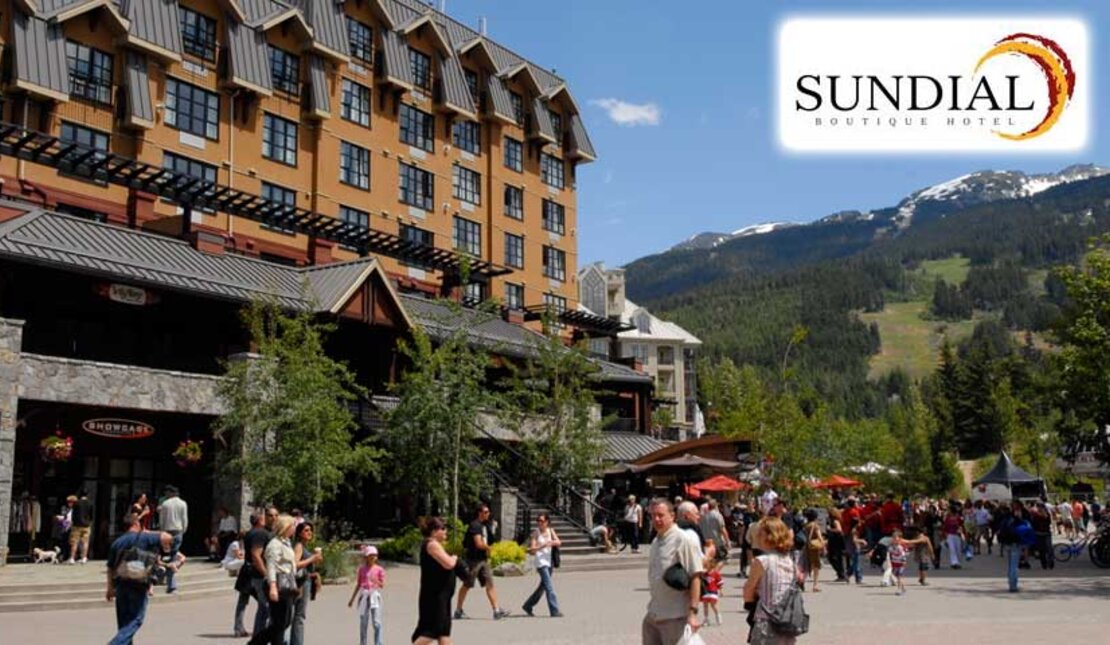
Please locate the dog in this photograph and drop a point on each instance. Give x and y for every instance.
(42, 556)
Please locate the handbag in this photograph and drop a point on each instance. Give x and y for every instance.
(556, 557)
(788, 617)
(676, 577)
(287, 584)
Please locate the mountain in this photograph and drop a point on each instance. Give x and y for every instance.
(710, 240)
(779, 245)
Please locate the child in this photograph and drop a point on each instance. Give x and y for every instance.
(368, 589)
(897, 557)
(712, 591)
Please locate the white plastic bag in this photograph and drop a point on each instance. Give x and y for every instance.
(690, 637)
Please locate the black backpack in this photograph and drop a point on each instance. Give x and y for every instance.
(878, 555)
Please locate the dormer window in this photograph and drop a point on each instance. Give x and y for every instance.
(643, 323)
(361, 40)
(198, 34)
(90, 72)
(285, 71)
(472, 85)
(557, 126)
(421, 66)
(518, 107)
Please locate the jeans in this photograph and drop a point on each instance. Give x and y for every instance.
(853, 561)
(372, 615)
(281, 615)
(630, 535)
(300, 608)
(545, 586)
(131, 602)
(240, 609)
(171, 581)
(1013, 557)
(259, 589)
(1044, 550)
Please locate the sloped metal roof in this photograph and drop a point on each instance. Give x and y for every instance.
(320, 91)
(70, 243)
(328, 22)
(40, 56)
(580, 143)
(155, 21)
(544, 127)
(486, 330)
(396, 58)
(629, 446)
(250, 59)
(501, 104)
(456, 93)
(140, 109)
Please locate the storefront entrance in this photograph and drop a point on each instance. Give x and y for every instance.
(113, 470)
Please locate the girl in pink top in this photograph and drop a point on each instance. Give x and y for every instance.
(368, 592)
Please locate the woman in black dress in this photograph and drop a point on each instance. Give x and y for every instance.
(437, 585)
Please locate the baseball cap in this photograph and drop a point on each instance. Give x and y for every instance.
(369, 550)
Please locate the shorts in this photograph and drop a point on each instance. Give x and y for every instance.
(478, 572)
(897, 570)
(711, 596)
(79, 533)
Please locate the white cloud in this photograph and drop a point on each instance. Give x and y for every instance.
(630, 114)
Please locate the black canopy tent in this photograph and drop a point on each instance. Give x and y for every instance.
(1020, 483)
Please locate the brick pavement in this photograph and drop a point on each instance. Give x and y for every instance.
(970, 606)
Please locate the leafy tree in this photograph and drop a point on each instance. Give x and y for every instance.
(287, 413)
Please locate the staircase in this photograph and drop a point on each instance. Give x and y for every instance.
(45, 587)
(577, 553)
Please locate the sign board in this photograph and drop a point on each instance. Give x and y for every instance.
(118, 428)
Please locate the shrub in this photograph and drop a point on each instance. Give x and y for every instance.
(338, 560)
(404, 546)
(506, 551)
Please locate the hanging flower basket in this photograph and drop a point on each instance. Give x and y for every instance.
(188, 453)
(56, 448)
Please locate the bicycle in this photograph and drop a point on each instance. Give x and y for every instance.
(1065, 552)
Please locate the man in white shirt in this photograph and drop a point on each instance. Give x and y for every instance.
(670, 610)
(173, 518)
(767, 500)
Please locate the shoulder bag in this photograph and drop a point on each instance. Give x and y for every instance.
(788, 617)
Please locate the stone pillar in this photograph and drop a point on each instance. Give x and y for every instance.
(11, 347)
(504, 511)
(228, 488)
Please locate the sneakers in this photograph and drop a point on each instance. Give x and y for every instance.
(84, 560)
(557, 614)
(499, 613)
(527, 610)
(71, 561)
(460, 615)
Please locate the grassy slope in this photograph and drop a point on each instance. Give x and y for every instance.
(910, 341)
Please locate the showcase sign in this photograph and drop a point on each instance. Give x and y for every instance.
(118, 428)
(933, 84)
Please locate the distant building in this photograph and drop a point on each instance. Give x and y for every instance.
(662, 349)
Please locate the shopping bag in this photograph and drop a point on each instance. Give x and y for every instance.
(690, 637)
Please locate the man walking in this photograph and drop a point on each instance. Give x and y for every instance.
(476, 549)
(671, 608)
(252, 577)
(130, 595)
(80, 531)
(173, 518)
(715, 530)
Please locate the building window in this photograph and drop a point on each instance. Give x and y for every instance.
(514, 251)
(95, 139)
(468, 136)
(554, 217)
(417, 235)
(639, 352)
(82, 212)
(467, 185)
(188, 166)
(279, 139)
(551, 170)
(354, 216)
(518, 107)
(193, 110)
(355, 105)
(554, 263)
(556, 306)
(90, 72)
(557, 126)
(514, 296)
(285, 71)
(354, 165)
(361, 40)
(474, 292)
(514, 202)
(198, 34)
(514, 154)
(281, 195)
(421, 66)
(418, 128)
(472, 85)
(467, 236)
(417, 187)
(665, 355)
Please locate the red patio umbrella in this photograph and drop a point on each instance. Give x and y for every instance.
(720, 483)
(837, 481)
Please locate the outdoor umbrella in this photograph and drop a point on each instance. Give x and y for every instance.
(687, 462)
(719, 484)
(836, 481)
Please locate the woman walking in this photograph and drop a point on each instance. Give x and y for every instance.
(437, 585)
(815, 545)
(772, 574)
(543, 539)
(632, 518)
(835, 544)
(306, 578)
(281, 582)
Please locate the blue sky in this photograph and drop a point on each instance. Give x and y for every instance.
(707, 158)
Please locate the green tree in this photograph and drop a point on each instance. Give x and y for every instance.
(287, 416)
(431, 432)
(550, 401)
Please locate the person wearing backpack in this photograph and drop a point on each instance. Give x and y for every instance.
(773, 587)
(131, 561)
(1015, 536)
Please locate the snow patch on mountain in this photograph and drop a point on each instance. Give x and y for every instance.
(760, 229)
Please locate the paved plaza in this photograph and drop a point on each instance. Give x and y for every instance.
(1070, 604)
